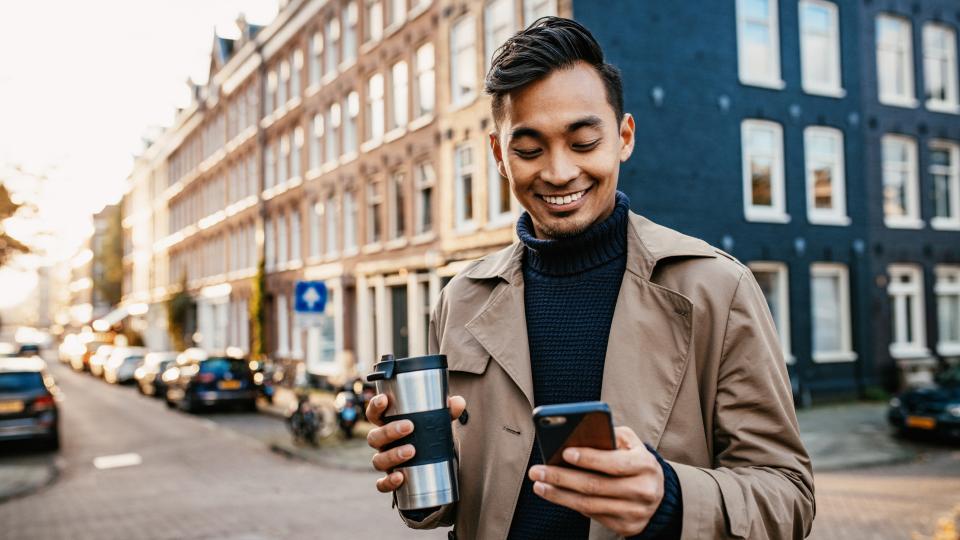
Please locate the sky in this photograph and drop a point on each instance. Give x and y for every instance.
(80, 83)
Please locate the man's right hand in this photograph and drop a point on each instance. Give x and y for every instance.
(385, 434)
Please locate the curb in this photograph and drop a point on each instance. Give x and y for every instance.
(51, 476)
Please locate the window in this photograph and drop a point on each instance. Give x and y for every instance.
(283, 326)
(270, 244)
(463, 57)
(315, 54)
(271, 91)
(352, 105)
(373, 20)
(830, 301)
(397, 12)
(826, 197)
(282, 252)
(297, 152)
(425, 180)
(463, 176)
(425, 88)
(534, 9)
(349, 220)
(498, 26)
(295, 248)
(906, 302)
(758, 43)
(331, 48)
(350, 33)
(331, 227)
(820, 47)
(945, 172)
(296, 66)
(315, 217)
(948, 310)
(772, 279)
(284, 83)
(270, 166)
(763, 190)
(282, 173)
(333, 136)
(423, 292)
(316, 142)
(398, 106)
(940, 67)
(498, 189)
(375, 108)
(901, 206)
(252, 174)
(895, 61)
(397, 205)
(374, 209)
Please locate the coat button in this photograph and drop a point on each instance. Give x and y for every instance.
(464, 418)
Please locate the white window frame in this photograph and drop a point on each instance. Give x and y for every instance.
(494, 12)
(838, 214)
(912, 191)
(773, 79)
(332, 137)
(315, 55)
(952, 172)
(777, 212)
(834, 86)
(900, 293)
(782, 320)
(296, 155)
(270, 244)
(351, 134)
(331, 219)
(948, 285)
(350, 221)
(840, 271)
(351, 19)
(315, 223)
(331, 57)
(373, 21)
(296, 249)
(282, 246)
(375, 112)
(316, 141)
(460, 172)
(283, 171)
(296, 68)
(952, 103)
(425, 76)
(463, 46)
(534, 9)
(399, 95)
(904, 49)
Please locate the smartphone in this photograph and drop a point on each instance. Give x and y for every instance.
(584, 424)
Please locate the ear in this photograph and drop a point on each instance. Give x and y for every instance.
(627, 137)
(497, 152)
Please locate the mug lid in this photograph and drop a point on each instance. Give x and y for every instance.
(388, 367)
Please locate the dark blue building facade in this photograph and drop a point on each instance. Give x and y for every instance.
(734, 101)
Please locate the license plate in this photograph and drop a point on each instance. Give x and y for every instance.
(11, 406)
(229, 385)
(921, 422)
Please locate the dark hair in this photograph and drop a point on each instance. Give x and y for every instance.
(550, 43)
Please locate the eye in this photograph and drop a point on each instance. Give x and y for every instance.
(524, 153)
(583, 147)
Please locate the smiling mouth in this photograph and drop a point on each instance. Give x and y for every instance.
(563, 200)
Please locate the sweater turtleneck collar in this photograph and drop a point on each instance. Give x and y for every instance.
(599, 244)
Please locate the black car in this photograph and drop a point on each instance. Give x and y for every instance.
(934, 409)
(194, 383)
(28, 406)
(149, 375)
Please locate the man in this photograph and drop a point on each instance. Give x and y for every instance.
(597, 303)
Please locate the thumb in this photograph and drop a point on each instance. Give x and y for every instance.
(627, 438)
(457, 405)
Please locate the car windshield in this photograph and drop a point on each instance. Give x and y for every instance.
(133, 360)
(20, 382)
(950, 377)
(220, 366)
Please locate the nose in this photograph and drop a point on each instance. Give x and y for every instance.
(561, 169)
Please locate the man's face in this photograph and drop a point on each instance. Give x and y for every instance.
(560, 146)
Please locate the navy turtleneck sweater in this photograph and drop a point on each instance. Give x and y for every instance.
(570, 292)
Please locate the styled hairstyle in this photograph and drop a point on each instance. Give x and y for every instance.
(549, 44)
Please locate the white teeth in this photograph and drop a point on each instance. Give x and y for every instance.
(564, 200)
(567, 199)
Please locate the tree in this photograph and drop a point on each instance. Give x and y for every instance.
(9, 246)
(258, 312)
(180, 312)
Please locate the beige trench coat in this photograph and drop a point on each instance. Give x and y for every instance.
(693, 366)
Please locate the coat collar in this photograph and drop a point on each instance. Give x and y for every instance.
(647, 244)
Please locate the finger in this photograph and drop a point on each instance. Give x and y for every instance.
(626, 438)
(375, 409)
(582, 482)
(383, 435)
(457, 405)
(613, 462)
(390, 482)
(587, 505)
(384, 461)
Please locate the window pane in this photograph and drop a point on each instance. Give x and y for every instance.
(826, 314)
(948, 317)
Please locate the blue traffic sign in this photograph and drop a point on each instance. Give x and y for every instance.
(310, 297)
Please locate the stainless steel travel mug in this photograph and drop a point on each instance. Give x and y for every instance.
(417, 389)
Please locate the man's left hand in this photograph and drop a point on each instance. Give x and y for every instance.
(621, 488)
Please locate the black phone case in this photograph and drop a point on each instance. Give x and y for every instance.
(586, 424)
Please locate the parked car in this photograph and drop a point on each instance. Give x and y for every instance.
(82, 362)
(149, 375)
(71, 348)
(7, 350)
(934, 409)
(99, 359)
(28, 402)
(218, 380)
(122, 364)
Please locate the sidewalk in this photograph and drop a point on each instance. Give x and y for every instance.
(851, 435)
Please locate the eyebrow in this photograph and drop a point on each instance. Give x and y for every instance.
(591, 121)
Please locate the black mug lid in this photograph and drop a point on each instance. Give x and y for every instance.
(388, 367)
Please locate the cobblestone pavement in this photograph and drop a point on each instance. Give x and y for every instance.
(198, 479)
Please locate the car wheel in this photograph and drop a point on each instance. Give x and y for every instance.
(170, 404)
(53, 441)
(251, 406)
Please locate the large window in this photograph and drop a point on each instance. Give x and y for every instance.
(425, 87)
(373, 20)
(425, 180)
(374, 212)
(315, 54)
(826, 194)
(270, 165)
(330, 215)
(350, 19)
(463, 190)
(901, 205)
(297, 155)
(316, 142)
(830, 312)
(498, 190)
(498, 26)
(906, 300)
(331, 49)
(940, 67)
(948, 310)
(352, 106)
(397, 205)
(270, 244)
(333, 132)
(772, 278)
(758, 43)
(463, 61)
(295, 248)
(283, 327)
(315, 214)
(398, 95)
(284, 85)
(895, 61)
(350, 220)
(375, 120)
(296, 67)
(945, 173)
(282, 245)
(271, 104)
(763, 189)
(396, 12)
(534, 9)
(820, 47)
